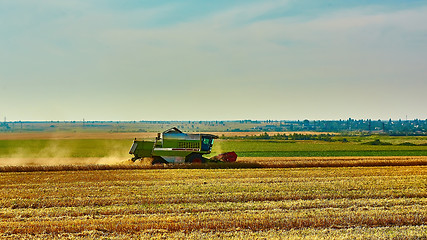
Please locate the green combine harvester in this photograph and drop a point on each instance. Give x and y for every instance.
(174, 146)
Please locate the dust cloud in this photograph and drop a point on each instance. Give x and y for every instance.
(23, 161)
(58, 154)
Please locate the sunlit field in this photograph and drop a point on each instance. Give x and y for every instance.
(106, 148)
(86, 187)
(381, 202)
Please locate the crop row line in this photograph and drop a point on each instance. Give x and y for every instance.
(236, 165)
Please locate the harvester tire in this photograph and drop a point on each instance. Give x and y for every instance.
(158, 160)
(195, 158)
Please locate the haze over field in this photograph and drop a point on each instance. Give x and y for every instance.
(193, 60)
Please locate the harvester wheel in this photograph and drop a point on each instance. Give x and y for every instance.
(195, 158)
(158, 160)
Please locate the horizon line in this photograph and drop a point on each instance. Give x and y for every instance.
(229, 120)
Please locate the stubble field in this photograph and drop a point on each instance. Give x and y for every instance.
(377, 202)
(269, 196)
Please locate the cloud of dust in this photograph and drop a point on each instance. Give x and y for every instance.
(115, 155)
(54, 153)
(51, 154)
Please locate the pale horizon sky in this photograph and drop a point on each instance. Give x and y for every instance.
(213, 60)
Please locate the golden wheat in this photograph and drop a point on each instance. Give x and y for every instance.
(268, 202)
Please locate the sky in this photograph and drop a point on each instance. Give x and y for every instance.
(213, 60)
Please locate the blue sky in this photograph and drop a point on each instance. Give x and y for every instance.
(212, 60)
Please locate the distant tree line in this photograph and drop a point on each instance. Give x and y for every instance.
(294, 136)
(389, 127)
(414, 127)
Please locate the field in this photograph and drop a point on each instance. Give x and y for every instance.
(108, 148)
(277, 190)
(259, 148)
(377, 202)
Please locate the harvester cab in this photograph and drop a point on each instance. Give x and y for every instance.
(174, 146)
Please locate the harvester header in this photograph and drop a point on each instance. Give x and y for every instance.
(174, 146)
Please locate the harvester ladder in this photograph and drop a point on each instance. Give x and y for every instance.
(154, 145)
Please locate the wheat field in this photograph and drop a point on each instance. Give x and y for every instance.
(341, 202)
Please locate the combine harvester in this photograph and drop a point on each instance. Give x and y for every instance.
(174, 146)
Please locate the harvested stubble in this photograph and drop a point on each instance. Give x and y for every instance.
(242, 162)
(194, 202)
(289, 162)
